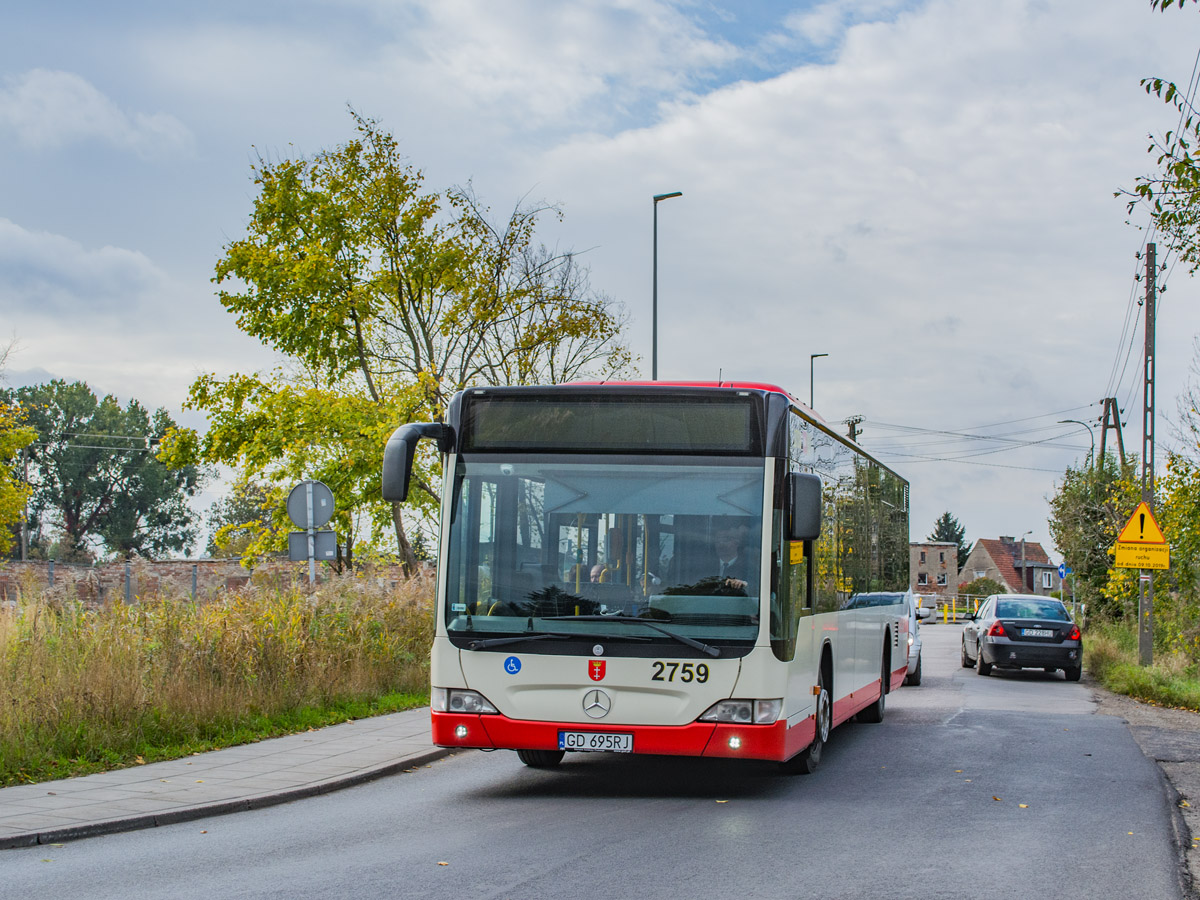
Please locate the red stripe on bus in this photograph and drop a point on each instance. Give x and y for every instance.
(855, 701)
(494, 732)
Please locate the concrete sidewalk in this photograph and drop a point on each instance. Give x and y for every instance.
(223, 781)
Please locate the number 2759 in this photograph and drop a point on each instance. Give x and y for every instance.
(666, 671)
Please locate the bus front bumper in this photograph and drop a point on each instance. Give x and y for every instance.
(710, 739)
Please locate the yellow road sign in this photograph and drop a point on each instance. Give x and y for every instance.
(1143, 556)
(1141, 528)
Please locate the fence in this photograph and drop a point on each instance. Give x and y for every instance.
(953, 608)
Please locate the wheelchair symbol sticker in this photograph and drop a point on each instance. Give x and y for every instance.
(512, 665)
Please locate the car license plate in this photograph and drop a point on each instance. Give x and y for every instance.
(595, 740)
(1036, 632)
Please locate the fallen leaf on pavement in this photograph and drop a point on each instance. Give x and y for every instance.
(443, 864)
(995, 798)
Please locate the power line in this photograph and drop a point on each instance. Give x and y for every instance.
(969, 462)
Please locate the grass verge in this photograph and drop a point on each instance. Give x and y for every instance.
(1111, 657)
(86, 690)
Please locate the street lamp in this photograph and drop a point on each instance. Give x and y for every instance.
(1023, 561)
(1091, 434)
(654, 308)
(811, 357)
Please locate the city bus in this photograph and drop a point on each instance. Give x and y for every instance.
(660, 568)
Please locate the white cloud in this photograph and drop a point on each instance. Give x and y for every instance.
(931, 204)
(453, 65)
(113, 318)
(51, 275)
(933, 208)
(48, 109)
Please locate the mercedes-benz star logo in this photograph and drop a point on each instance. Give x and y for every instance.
(596, 704)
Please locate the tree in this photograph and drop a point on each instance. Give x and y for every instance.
(947, 529)
(981, 587)
(15, 438)
(241, 516)
(1172, 194)
(95, 475)
(1087, 512)
(386, 300)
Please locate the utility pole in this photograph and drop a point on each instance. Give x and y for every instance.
(1145, 579)
(1111, 410)
(854, 422)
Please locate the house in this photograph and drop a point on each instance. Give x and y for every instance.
(933, 568)
(1021, 566)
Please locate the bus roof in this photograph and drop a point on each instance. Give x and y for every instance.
(728, 385)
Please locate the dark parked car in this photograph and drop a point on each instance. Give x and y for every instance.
(1022, 631)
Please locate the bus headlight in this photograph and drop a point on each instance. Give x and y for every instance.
(456, 700)
(744, 712)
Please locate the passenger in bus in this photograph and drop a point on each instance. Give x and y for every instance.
(613, 569)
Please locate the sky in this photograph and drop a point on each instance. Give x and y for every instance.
(921, 189)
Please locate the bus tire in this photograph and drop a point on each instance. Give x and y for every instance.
(874, 713)
(806, 761)
(540, 759)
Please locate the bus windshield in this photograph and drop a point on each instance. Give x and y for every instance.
(673, 545)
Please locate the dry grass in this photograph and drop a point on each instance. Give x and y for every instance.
(164, 677)
(1111, 656)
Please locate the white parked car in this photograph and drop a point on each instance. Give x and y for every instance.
(916, 614)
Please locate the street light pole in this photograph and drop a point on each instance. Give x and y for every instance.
(811, 357)
(1023, 562)
(1091, 434)
(654, 306)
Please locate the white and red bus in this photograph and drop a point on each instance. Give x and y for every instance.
(662, 568)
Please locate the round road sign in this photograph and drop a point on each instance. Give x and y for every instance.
(322, 504)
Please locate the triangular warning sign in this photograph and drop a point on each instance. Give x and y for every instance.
(1141, 528)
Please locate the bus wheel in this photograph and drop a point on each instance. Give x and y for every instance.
(805, 762)
(874, 712)
(540, 759)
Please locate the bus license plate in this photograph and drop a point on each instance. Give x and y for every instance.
(595, 740)
(1037, 632)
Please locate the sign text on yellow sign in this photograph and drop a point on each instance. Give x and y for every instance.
(1143, 556)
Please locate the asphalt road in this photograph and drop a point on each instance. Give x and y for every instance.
(1002, 787)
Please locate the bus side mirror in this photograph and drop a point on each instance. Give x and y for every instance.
(804, 498)
(400, 450)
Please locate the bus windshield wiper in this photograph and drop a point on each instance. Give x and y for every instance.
(545, 635)
(634, 620)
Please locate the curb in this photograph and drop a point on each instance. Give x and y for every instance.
(222, 807)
